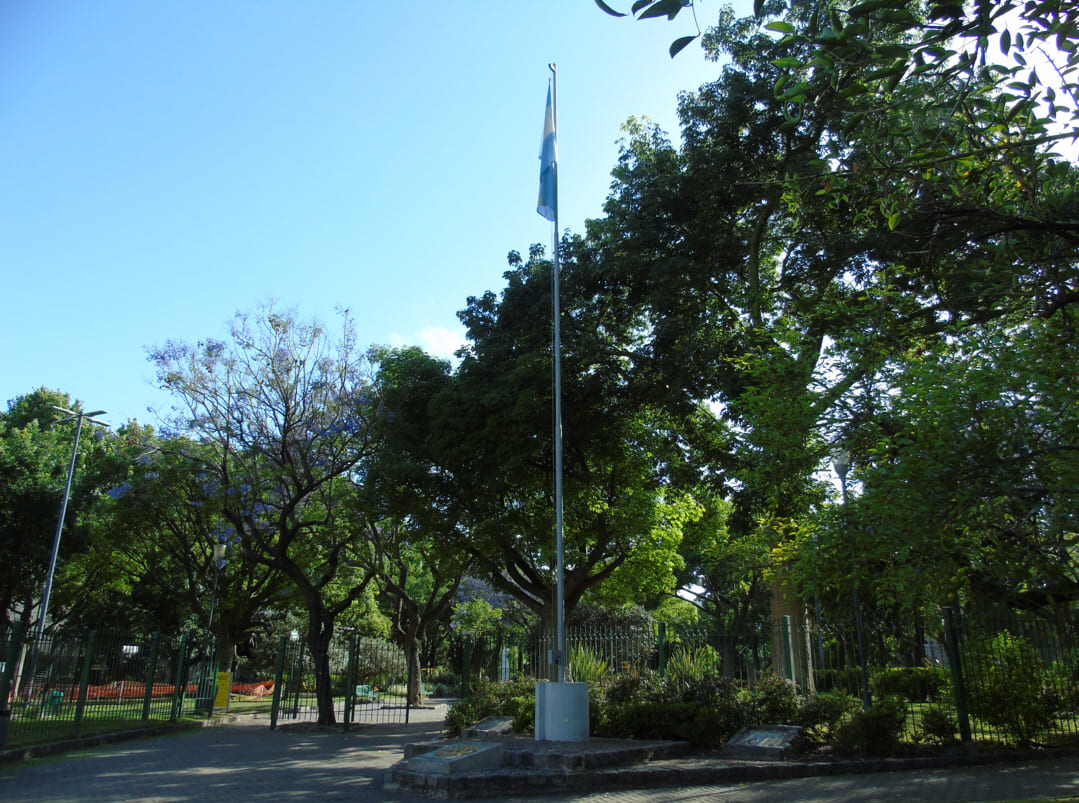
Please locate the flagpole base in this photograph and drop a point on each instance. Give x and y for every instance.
(561, 712)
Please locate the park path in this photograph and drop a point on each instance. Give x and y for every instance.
(246, 761)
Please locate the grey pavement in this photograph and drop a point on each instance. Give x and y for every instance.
(246, 761)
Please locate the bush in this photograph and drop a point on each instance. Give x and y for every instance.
(689, 665)
(1064, 679)
(511, 698)
(847, 680)
(625, 688)
(916, 683)
(1008, 687)
(773, 702)
(821, 713)
(939, 726)
(872, 732)
(705, 691)
(586, 665)
(701, 726)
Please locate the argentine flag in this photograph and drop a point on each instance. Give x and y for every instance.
(548, 189)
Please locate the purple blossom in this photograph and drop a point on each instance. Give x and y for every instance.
(120, 491)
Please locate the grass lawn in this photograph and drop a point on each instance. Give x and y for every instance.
(32, 725)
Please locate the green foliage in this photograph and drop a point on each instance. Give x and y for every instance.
(939, 725)
(490, 698)
(871, 732)
(625, 688)
(380, 662)
(1064, 681)
(586, 665)
(476, 618)
(687, 665)
(702, 726)
(774, 701)
(915, 683)
(820, 714)
(36, 443)
(1007, 687)
(840, 681)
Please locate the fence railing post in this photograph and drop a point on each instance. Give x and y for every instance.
(952, 645)
(350, 683)
(151, 673)
(84, 681)
(180, 687)
(663, 647)
(788, 646)
(466, 666)
(10, 659)
(278, 680)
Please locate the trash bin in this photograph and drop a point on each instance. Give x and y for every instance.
(53, 702)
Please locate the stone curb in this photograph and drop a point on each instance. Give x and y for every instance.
(510, 781)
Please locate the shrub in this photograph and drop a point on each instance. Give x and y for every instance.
(690, 665)
(702, 726)
(773, 702)
(1064, 679)
(625, 688)
(916, 683)
(1008, 687)
(705, 691)
(872, 732)
(938, 725)
(819, 714)
(839, 680)
(586, 665)
(511, 698)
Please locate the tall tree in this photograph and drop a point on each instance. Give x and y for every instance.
(35, 455)
(806, 236)
(494, 435)
(407, 508)
(284, 416)
(158, 530)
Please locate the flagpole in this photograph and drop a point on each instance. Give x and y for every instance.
(560, 552)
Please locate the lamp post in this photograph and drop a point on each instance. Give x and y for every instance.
(91, 417)
(219, 561)
(211, 648)
(841, 464)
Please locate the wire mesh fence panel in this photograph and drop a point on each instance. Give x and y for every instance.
(380, 683)
(1021, 678)
(368, 683)
(68, 685)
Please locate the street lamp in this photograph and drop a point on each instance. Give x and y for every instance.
(210, 683)
(219, 561)
(841, 464)
(72, 415)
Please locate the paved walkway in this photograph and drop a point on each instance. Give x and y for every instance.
(249, 762)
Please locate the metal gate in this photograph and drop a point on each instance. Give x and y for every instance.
(369, 682)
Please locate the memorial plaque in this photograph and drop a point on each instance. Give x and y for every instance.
(490, 727)
(462, 756)
(764, 743)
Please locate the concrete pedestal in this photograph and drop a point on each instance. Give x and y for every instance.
(562, 712)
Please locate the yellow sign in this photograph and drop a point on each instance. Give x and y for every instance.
(224, 686)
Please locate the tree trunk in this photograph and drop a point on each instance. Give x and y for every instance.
(320, 633)
(787, 608)
(415, 676)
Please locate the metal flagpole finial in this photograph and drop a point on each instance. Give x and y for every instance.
(552, 67)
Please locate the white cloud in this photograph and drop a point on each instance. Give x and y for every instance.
(435, 340)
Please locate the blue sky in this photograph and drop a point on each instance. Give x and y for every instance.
(163, 165)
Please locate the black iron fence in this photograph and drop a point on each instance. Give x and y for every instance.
(77, 684)
(369, 682)
(961, 677)
(1013, 681)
